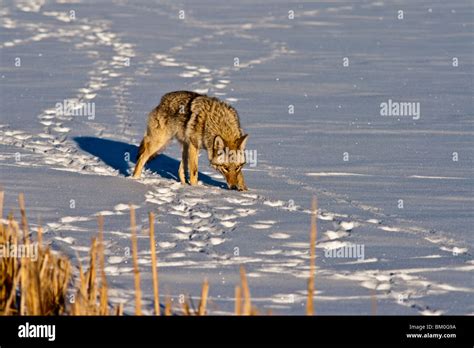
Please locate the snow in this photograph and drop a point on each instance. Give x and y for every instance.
(401, 187)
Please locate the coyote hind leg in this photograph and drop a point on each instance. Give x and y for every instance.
(183, 165)
(150, 145)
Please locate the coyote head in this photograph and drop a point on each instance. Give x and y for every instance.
(228, 157)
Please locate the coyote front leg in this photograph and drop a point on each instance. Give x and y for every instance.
(193, 153)
(183, 165)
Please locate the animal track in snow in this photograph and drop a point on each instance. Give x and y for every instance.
(184, 229)
(279, 235)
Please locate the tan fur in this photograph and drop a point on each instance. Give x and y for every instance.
(197, 121)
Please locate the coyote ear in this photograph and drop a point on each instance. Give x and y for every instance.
(243, 141)
(218, 143)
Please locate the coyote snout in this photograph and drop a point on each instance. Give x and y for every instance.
(229, 158)
(197, 121)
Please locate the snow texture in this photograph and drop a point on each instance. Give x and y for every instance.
(396, 191)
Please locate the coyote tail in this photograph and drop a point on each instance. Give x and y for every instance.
(141, 150)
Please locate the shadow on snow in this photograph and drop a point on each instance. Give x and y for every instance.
(112, 153)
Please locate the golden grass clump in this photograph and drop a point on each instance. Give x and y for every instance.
(89, 298)
(33, 279)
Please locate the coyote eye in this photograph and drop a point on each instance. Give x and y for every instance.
(224, 169)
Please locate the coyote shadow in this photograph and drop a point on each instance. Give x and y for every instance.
(113, 152)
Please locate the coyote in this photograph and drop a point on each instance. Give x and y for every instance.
(197, 121)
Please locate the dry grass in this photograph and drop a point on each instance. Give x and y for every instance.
(41, 286)
(136, 271)
(154, 264)
(203, 302)
(373, 296)
(238, 300)
(104, 310)
(37, 283)
(312, 257)
(32, 285)
(168, 306)
(2, 194)
(247, 303)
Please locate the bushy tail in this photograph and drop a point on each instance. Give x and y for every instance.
(141, 149)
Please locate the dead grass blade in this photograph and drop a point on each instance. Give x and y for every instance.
(24, 222)
(247, 307)
(374, 302)
(104, 306)
(154, 264)
(2, 195)
(136, 271)
(312, 257)
(238, 300)
(167, 306)
(204, 294)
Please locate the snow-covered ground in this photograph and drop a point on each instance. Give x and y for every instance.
(309, 86)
